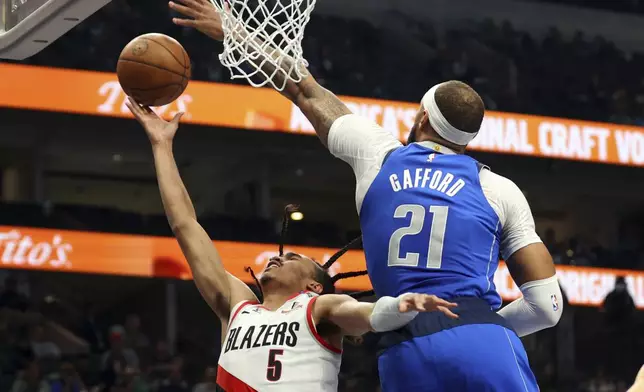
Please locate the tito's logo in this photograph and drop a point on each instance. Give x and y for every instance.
(20, 250)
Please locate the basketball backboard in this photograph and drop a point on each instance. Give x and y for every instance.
(29, 26)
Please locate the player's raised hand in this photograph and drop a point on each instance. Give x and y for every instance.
(200, 15)
(158, 130)
(426, 303)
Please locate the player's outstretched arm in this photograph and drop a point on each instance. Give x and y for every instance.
(220, 289)
(527, 258)
(638, 386)
(355, 318)
(320, 106)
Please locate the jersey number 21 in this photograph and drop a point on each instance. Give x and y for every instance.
(436, 236)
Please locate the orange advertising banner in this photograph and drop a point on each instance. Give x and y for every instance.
(227, 105)
(146, 256)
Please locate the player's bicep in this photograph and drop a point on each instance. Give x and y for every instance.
(526, 256)
(219, 289)
(350, 315)
(530, 263)
(360, 142)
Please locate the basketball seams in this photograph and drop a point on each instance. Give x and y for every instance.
(183, 64)
(155, 88)
(153, 66)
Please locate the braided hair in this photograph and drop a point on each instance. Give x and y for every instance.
(322, 271)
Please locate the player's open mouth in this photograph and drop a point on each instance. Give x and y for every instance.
(273, 264)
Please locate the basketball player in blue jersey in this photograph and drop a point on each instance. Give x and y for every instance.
(434, 221)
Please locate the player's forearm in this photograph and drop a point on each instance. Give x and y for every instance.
(354, 318)
(320, 106)
(268, 58)
(176, 200)
(539, 308)
(357, 318)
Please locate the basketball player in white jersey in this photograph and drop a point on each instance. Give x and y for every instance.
(292, 340)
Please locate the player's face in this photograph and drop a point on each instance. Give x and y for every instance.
(291, 270)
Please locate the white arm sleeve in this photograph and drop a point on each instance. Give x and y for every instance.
(539, 308)
(385, 315)
(363, 144)
(514, 213)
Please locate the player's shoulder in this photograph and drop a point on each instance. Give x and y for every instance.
(503, 195)
(499, 185)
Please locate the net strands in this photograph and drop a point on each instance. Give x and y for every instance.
(263, 40)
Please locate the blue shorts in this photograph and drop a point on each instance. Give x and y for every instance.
(455, 357)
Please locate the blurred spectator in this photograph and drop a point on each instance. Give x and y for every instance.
(42, 348)
(91, 331)
(130, 381)
(30, 380)
(161, 362)
(117, 358)
(601, 383)
(619, 305)
(134, 338)
(68, 380)
(11, 298)
(209, 382)
(175, 381)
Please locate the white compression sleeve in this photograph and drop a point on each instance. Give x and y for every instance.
(539, 308)
(386, 316)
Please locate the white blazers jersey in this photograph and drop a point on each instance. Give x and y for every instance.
(277, 350)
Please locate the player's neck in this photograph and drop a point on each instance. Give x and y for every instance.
(274, 300)
(423, 137)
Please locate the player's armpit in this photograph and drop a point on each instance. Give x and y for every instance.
(220, 290)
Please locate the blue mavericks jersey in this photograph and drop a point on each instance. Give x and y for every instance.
(427, 227)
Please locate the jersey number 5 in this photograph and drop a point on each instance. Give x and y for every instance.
(274, 370)
(436, 236)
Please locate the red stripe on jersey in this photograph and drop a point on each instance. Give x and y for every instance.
(230, 383)
(314, 331)
(287, 299)
(296, 295)
(242, 306)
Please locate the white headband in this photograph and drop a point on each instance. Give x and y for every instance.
(440, 123)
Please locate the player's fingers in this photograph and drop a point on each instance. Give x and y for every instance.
(447, 312)
(177, 117)
(405, 305)
(129, 106)
(182, 9)
(134, 107)
(185, 22)
(420, 303)
(189, 3)
(442, 302)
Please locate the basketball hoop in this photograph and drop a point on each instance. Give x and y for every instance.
(263, 40)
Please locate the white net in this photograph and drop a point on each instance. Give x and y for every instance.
(263, 40)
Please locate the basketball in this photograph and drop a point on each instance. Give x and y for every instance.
(154, 69)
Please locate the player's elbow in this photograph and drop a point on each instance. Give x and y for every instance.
(548, 317)
(546, 299)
